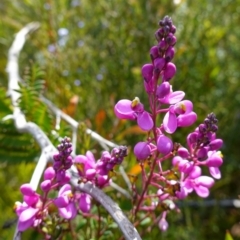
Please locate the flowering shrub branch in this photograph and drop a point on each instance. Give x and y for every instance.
(161, 187)
(35, 208)
(71, 183)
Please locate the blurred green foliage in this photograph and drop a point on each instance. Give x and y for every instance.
(94, 50)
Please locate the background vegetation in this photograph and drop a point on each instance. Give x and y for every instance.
(90, 55)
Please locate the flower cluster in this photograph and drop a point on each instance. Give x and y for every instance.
(98, 172)
(44, 212)
(185, 175)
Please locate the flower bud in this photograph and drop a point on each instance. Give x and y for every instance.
(192, 138)
(147, 72)
(26, 189)
(169, 53)
(162, 45)
(183, 152)
(163, 224)
(49, 173)
(46, 185)
(169, 71)
(202, 153)
(159, 63)
(154, 52)
(164, 145)
(163, 90)
(142, 150)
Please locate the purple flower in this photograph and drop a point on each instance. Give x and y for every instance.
(179, 115)
(134, 110)
(200, 184)
(86, 165)
(213, 162)
(65, 202)
(29, 209)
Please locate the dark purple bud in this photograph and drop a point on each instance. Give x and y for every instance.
(216, 144)
(163, 90)
(173, 41)
(154, 52)
(173, 29)
(169, 71)
(202, 128)
(166, 29)
(56, 157)
(57, 165)
(161, 23)
(159, 34)
(159, 63)
(214, 128)
(147, 72)
(164, 145)
(162, 45)
(192, 138)
(202, 153)
(169, 53)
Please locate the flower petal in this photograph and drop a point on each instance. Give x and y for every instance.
(26, 219)
(123, 110)
(145, 121)
(186, 120)
(215, 172)
(26, 189)
(61, 201)
(65, 188)
(204, 181)
(68, 212)
(202, 191)
(173, 97)
(85, 203)
(170, 122)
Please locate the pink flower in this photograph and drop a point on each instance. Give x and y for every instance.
(213, 162)
(65, 202)
(29, 209)
(134, 110)
(200, 184)
(179, 115)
